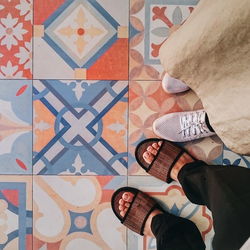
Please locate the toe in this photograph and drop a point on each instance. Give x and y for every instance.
(159, 143)
(122, 213)
(127, 205)
(124, 203)
(121, 202)
(127, 196)
(121, 208)
(155, 146)
(148, 157)
(152, 150)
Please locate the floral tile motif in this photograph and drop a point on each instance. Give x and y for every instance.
(147, 102)
(15, 39)
(15, 127)
(16, 212)
(80, 127)
(231, 158)
(151, 23)
(73, 211)
(81, 39)
(173, 199)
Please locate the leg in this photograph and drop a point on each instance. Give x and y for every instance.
(176, 233)
(225, 191)
(171, 232)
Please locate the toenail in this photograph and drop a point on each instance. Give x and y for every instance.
(127, 204)
(125, 196)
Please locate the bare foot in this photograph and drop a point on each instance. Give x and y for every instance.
(151, 152)
(124, 204)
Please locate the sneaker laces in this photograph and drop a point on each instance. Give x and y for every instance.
(193, 124)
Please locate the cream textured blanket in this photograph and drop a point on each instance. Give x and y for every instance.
(211, 53)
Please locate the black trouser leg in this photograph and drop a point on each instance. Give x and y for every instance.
(225, 190)
(176, 233)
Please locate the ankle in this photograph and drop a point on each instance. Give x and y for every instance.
(184, 159)
(147, 229)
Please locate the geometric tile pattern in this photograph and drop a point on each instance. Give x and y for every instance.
(151, 23)
(79, 89)
(80, 127)
(173, 200)
(147, 102)
(83, 37)
(76, 222)
(16, 212)
(15, 39)
(15, 127)
(231, 158)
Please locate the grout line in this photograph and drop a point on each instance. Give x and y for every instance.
(73, 175)
(52, 79)
(129, 5)
(32, 180)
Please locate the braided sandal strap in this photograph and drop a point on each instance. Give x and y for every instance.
(167, 155)
(137, 215)
(141, 207)
(164, 161)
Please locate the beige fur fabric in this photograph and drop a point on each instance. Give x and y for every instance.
(210, 52)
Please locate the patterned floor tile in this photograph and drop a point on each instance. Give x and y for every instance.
(173, 199)
(15, 39)
(15, 127)
(73, 212)
(81, 39)
(231, 158)
(151, 23)
(80, 127)
(16, 212)
(147, 102)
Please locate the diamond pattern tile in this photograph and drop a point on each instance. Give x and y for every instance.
(84, 39)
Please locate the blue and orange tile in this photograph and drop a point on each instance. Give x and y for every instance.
(77, 211)
(16, 127)
(80, 88)
(80, 127)
(151, 23)
(81, 39)
(16, 212)
(16, 39)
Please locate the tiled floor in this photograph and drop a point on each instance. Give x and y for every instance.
(79, 89)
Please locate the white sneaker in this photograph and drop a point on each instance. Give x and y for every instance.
(182, 126)
(172, 85)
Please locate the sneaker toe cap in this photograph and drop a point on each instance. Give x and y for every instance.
(167, 127)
